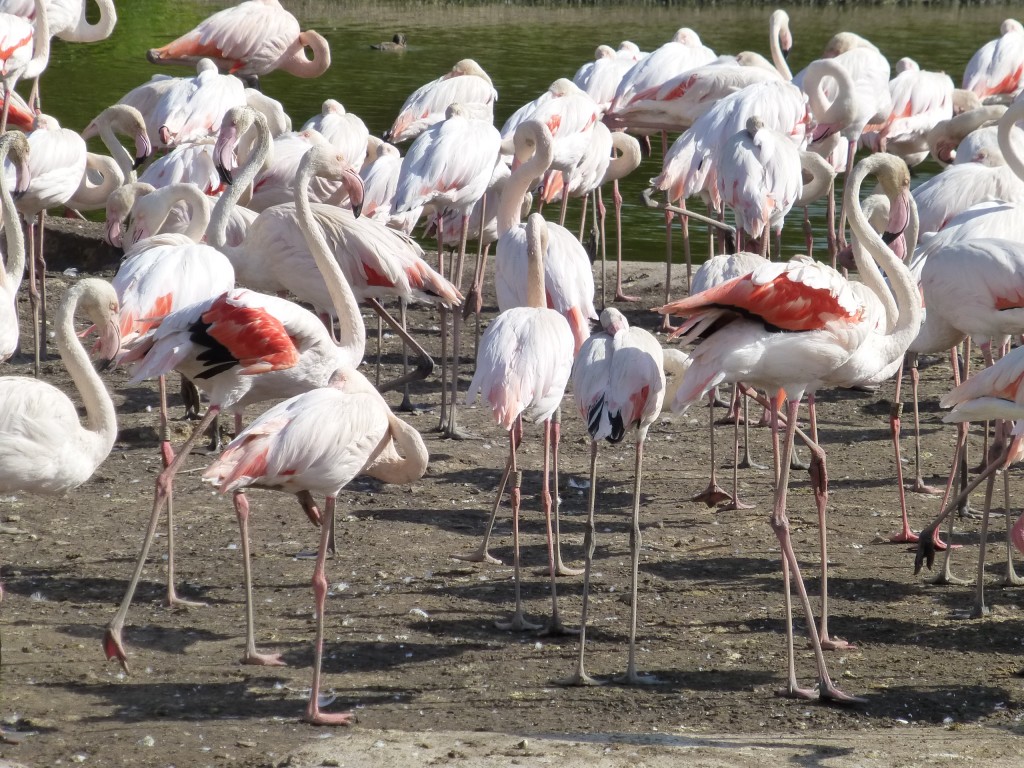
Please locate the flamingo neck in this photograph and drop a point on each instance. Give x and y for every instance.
(197, 202)
(822, 176)
(350, 319)
(625, 157)
(225, 205)
(91, 196)
(404, 458)
(15, 268)
(776, 26)
(118, 151)
(1006, 145)
(536, 246)
(840, 111)
(296, 62)
(99, 408)
(523, 177)
(40, 43)
(84, 32)
(895, 342)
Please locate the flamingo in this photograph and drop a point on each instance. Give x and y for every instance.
(126, 120)
(377, 262)
(600, 77)
(24, 52)
(466, 84)
(523, 366)
(315, 443)
(618, 381)
(242, 347)
(795, 344)
(57, 159)
(68, 19)
(15, 146)
(759, 177)
(249, 40)
(380, 180)
(345, 131)
(449, 166)
(967, 137)
(920, 100)
(995, 68)
(43, 446)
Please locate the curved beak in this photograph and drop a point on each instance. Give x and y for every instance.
(353, 184)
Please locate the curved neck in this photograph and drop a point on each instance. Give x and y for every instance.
(117, 150)
(904, 287)
(625, 157)
(92, 196)
(297, 63)
(99, 408)
(40, 43)
(1006, 145)
(522, 178)
(404, 459)
(778, 25)
(15, 239)
(350, 319)
(197, 202)
(839, 111)
(218, 229)
(822, 175)
(84, 32)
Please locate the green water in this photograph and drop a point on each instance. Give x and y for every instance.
(522, 48)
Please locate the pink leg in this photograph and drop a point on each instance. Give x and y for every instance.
(112, 642)
(555, 626)
(780, 524)
(561, 569)
(620, 295)
(252, 656)
(313, 713)
(666, 323)
(518, 622)
(481, 553)
(713, 494)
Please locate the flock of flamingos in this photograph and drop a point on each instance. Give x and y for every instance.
(235, 198)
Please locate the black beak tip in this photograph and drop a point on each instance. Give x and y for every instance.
(357, 209)
(224, 174)
(138, 162)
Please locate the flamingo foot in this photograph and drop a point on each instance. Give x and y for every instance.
(408, 406)
(556, 628)
(920, 486)
(793, 691)
(737, 504)
(174, 601)
(977, 612)
(449, 432)
(480, 555)
(315, 717)
(798, 464)
(561, 569)
(620, 296)
(263, 659)
(835, 644)
(828, 692)
(517, 623)
(945, 577)
(114, 648)
(580, 677)
(712, 495)
(906, 536)
(666, 325)
(631, 677)
(1011, 579)
(748, 463)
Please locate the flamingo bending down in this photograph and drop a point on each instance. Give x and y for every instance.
(522, 368)
(242, 348)
(995, 68)
(43, 446)
(14, 145)
(315, 443)
(250, 40)
(618, 381)
(789, 327)
(466, 84)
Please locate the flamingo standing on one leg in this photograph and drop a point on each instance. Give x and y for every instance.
(619, 383)
(315, 443)
(523, 366)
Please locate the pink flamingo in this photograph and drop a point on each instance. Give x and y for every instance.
(242, 347)
(68, 19)
(920, 101)
(43, 446)
(790, 327)
(250, 39)
(995, 68)
(449, 166)
(466, 84)
(344, 130)
(522, 368)
(12, 270)
(315, 443)
(24, 52)
(618, 381)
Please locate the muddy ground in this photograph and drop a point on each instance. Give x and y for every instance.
(412, 644)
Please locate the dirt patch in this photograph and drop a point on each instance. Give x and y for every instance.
(411, 642)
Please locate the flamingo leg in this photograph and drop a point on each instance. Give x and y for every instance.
(620, 295)
(112, 642)
(666, 324)
(1010, 579)
(251, 656)
(555, 626)
(518, 622)
(424, 367)
(580, 676)
(451, 429)
(905, 535)
(780, 525)
(34, 300)
(979, 609)
(919, 484)
(561, 569)
(736, 503)
(631, 677)
(313, 713)
(713, 494)
(41, 271)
